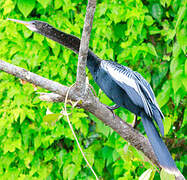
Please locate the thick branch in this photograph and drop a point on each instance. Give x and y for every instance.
(83, 50)
(90, 104)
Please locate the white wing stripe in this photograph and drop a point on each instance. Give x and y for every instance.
(126, 77)
(120, 76)
(146, 104)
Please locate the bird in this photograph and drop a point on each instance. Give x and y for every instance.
(125, 87)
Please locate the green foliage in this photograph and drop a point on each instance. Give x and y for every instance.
(165, 175)
(148, 36)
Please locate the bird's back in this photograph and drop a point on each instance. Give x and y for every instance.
(128, 89)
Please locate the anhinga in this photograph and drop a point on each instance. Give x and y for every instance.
(123, 86)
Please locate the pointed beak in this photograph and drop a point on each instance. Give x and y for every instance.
(26, 23)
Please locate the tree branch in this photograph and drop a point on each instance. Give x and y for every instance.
(90, 104)
(84, 45)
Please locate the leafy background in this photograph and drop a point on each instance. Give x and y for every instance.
(149, 36)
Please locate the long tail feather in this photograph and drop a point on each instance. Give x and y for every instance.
(159, 148)
(158, 118)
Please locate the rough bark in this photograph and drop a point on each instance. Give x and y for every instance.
(84, 46)
(90, 103)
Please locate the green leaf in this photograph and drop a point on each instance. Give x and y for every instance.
(148, 20)
(157, 11)
(164, 175)
(107, 154)
(50, 119)
(147, 175)
(51, 43)
(170, 34)
(26, 6)
(165, 2)
(184, 81)
(56, 49)
(89, 156)
(167, 124)
(44, 3)
(176, 50)
(177, 74)
(37, 142)
(48, 155)
(70, 171)
(164, 95)
(166, 58)
(182, 39)
(61, 157)
(109, 53)
(185, 118)
(180, 15)
(8, 6)
(177, 79)
(38, 38)
(154, 30)
(101, 9)
(152, 49)
(58, 4)
(99, 165)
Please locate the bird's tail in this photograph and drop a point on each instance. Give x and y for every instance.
(159, 148)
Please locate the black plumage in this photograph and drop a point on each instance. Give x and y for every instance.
(123, 86)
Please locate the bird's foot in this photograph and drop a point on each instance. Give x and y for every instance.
(135, 122)
(112, 108)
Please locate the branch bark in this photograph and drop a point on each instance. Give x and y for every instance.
(84, 45)
(89, 103)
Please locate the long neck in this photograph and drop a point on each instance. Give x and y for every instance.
(73, 43)
(67, 40)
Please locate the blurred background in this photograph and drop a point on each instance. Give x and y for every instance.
(148, 36)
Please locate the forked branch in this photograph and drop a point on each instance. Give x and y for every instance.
(90, 104)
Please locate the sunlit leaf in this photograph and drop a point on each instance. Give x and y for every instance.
(26, 6)
(164, 175)
(8, 6)
(70, 171)
(152, 49)
(164, 95)
(148, 20)
(180, 15)
(157, 11)
(51, 119)
(44, 3)
(147, 175)
(176, 80)
(167, 124)
(57, 4)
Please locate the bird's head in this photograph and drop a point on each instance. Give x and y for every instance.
(36, 26)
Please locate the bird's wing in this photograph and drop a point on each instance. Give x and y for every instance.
(148, 92)
(127, 79)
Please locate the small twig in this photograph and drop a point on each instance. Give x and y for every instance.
(50, 97)
(93, 90)
(71, 127)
